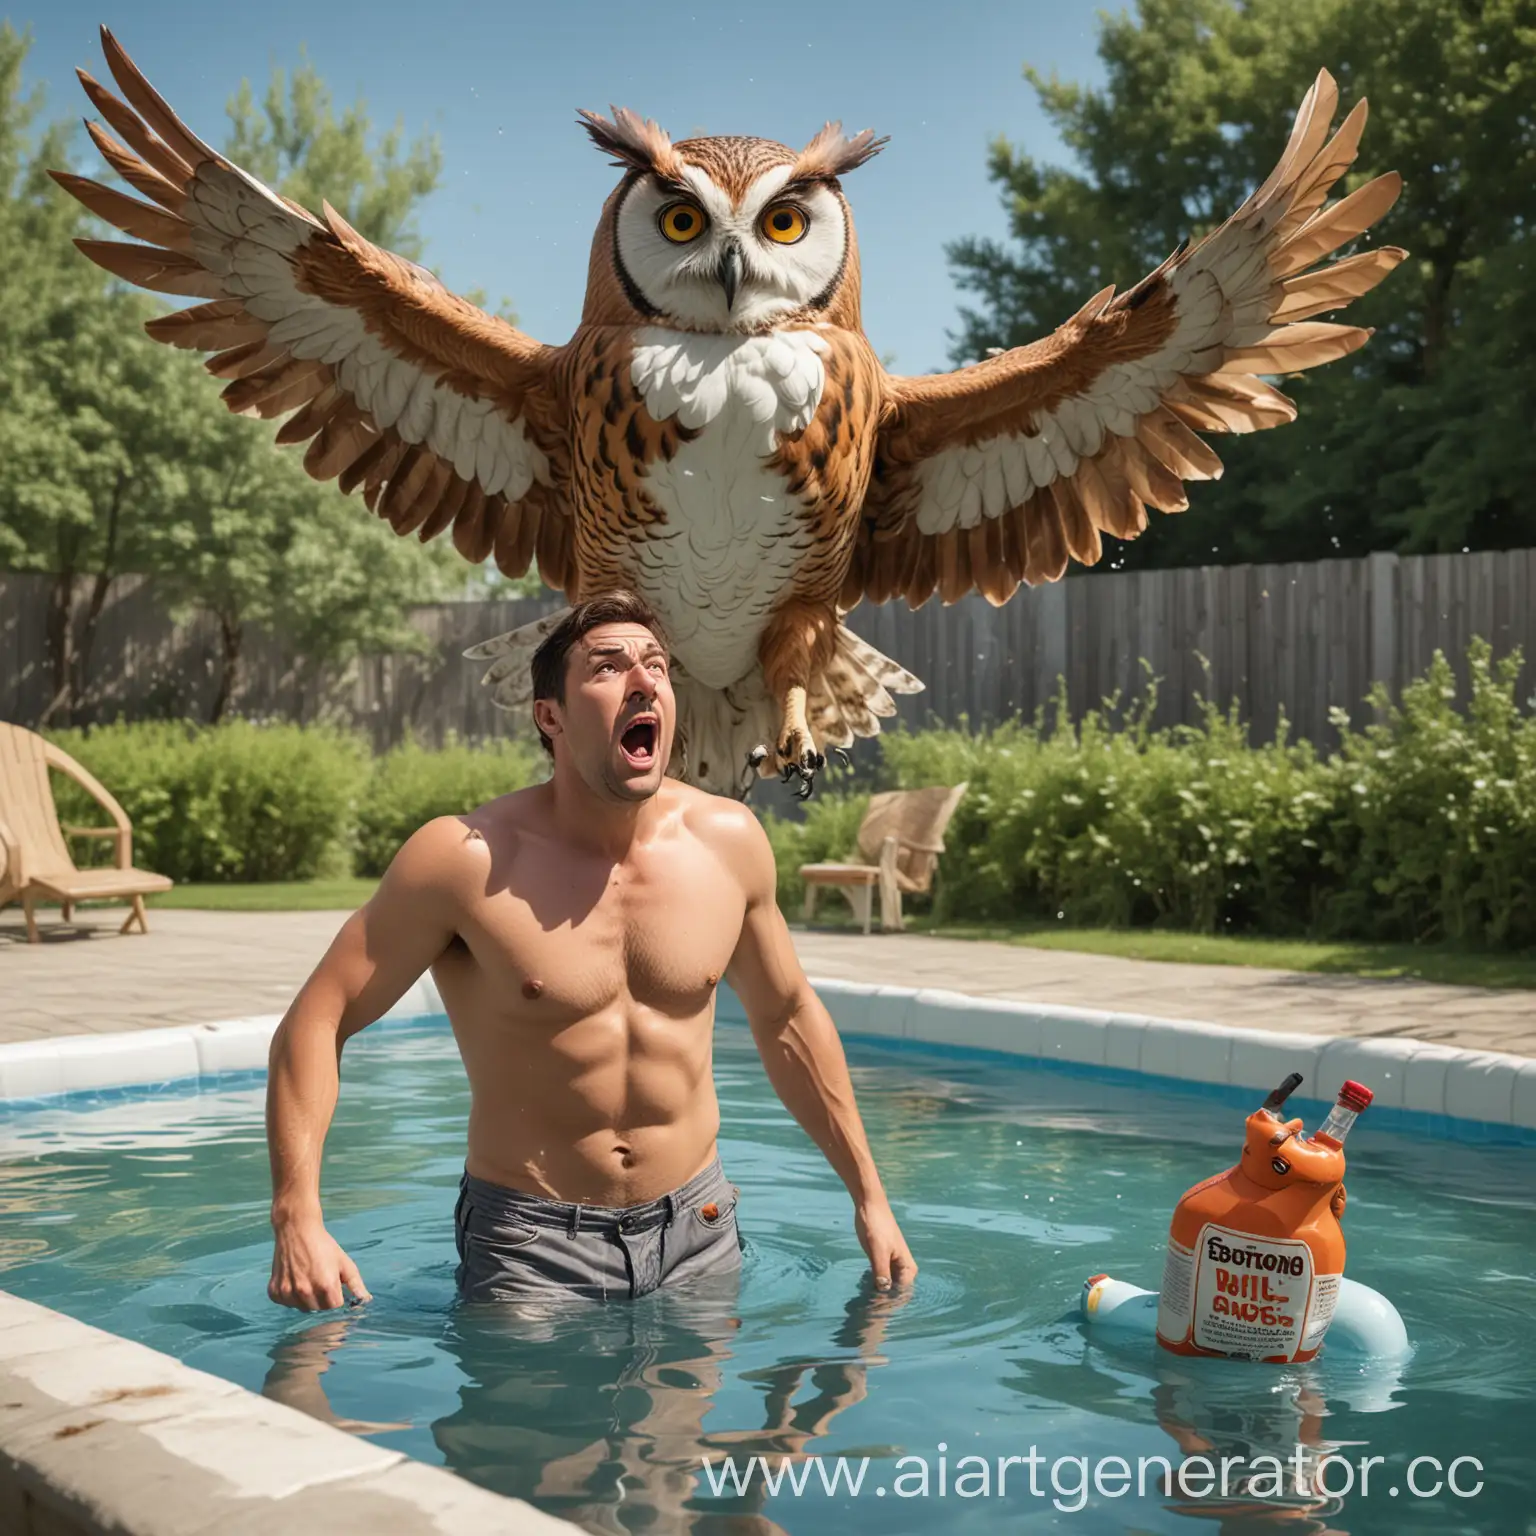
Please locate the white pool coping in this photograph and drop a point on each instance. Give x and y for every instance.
(101, 1435)
(1465, 1088)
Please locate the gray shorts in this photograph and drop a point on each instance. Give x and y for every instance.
(513, 1245)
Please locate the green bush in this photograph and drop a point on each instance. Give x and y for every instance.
(1095, 826)
(242, 802)
(1421, 827)
(1434, 825)
(236, 802)
(412, 784)
(829, 832)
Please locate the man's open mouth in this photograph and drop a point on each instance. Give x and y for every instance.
(638, 743)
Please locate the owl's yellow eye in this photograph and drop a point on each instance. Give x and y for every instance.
(785, 223)
(682, 222)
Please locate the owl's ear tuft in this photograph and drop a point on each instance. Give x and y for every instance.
(832, 153)
(636, 144)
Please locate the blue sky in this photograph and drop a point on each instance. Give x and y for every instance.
(522, 186)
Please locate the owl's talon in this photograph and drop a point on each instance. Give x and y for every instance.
(803, 765)
(842, 756)
(749, 775)
(796, 757)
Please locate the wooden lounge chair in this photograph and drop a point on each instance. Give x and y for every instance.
(35, 863)
(900, 840)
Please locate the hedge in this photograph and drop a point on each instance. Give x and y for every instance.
(1421, 827)
(246, 802)
(411, 785)
(236, 802)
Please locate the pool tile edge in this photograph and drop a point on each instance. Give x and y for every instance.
(33, 1070)
(1449, 1082)
(102, 1434)
(1418, 1076)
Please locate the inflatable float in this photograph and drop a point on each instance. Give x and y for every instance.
(1255, 1262)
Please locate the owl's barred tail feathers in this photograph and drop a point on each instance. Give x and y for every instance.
(510, 677)
(718, 727)
(852, 695)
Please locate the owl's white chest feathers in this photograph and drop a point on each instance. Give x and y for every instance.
(733, 533)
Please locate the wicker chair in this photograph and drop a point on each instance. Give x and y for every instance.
(900, 840)
(35, 862)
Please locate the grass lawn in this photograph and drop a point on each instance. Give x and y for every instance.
(1422, 962)
(1428, 962)
(298, 896)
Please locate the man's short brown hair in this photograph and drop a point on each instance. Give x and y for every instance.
(549, 661)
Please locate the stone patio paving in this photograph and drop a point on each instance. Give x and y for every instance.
(199, 966)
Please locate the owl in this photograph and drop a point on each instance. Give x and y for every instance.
(718, 434)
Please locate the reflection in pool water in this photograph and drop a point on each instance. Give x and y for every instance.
(1012, 1183)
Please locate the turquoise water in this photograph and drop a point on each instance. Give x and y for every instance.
(1012, 1183)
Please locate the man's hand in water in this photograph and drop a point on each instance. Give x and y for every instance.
(890, 1260)
(310, 1268)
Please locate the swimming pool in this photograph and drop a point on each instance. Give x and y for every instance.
(1013, 1182)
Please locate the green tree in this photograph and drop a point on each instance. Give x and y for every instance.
(258, 544)
(271, 547)
(295, 141)
(92, 437)
(88, 444)
(1415, 443)
(116, 454)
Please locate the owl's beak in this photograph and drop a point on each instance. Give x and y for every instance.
(729, 272)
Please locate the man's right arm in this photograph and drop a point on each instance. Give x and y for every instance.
(378, 953)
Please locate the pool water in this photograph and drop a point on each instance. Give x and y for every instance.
(1012, 1183)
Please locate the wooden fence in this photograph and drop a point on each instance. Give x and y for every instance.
(1298, 638)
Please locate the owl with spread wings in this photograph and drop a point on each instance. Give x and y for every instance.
(718, 434)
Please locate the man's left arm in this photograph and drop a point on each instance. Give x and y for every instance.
(802, 1053)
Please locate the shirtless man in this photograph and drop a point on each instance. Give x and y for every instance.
(577, 931)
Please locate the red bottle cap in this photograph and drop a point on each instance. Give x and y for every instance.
(1355, 1096)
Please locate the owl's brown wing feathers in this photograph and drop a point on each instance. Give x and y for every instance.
(442, 414)
(1002, 471)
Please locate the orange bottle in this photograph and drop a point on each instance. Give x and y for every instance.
(1255, 1254)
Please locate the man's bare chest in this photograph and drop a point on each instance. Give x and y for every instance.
(568, 946)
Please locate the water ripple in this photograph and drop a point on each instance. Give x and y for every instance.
(1011, 1186)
